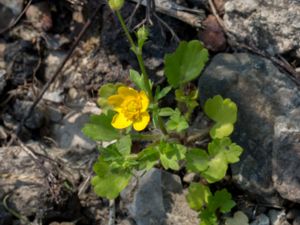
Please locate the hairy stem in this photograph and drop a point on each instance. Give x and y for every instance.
(138, 52)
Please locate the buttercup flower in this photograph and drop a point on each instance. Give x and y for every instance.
(131, 106)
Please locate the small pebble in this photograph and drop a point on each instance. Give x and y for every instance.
(296, 221)
(261, 219)
(293, 213)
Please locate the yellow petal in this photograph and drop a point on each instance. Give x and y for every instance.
(115, 101)
(142, 122)
(144, 100)
(127, 92)
(119, 121)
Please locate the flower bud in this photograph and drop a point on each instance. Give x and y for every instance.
(115, 4)
(142, 33)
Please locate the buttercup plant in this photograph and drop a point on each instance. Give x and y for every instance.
(134, 114)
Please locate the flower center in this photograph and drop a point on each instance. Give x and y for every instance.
(132, 109)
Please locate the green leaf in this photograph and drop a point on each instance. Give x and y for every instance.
(220, 130)
(177, 122)
(217, 168)
(224, 113)
(231, 151)
(186, 63)
(138, 80)
(124, 145)
(163, 92)
(99, 128)
(221, 153)
(198, 196)
(167, 111)
(170, 154)
(147, 158)
(221, 200)
(109, 183)
(104, 92)
(208, 217)
(197, 160)
(111, 153)
(239, 218)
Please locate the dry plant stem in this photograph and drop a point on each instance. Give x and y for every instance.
(17, 19)
(146, 137)
(199, 135)
(57, 72)
(215, 13)
(112, 212)
(22, 219)
(170, 8)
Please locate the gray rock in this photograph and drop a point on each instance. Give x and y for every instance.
(35, 120)
(271, 26)
(3, 134)
(54, 114)
(29, 183)
(148, 205)
(2, 81)
(296, 221)
(21, 60)
(68, 132)
(5, 217)
(15, 6)
(54, 96)
(293, 213)
(53, 60)
(9, 9)
(277, 217)
(158, 199)
(261, 219)
(262, 93)
(190, 177)
(286, 152)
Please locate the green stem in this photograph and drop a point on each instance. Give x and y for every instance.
(145, 137)
(138, 52)
(126, 31)
(144, 72)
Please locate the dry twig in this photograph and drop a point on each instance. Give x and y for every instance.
(17, 19)
(112, 212)
(167, 7)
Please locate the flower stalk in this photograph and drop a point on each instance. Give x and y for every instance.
(138, 52)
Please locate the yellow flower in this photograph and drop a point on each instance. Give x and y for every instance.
(131, 106)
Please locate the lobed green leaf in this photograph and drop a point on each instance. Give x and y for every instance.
(147, 158)
(224, 113)
(109, 183)
(104, 92)
(99, 128)
(198, 196)
(221, 152)
(176, 122)
(124, 145)
(186, 63)
(170, 154)
(138, 80)
(221, 200)
(197, 160)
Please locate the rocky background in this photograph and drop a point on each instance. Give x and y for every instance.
(46, 165)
